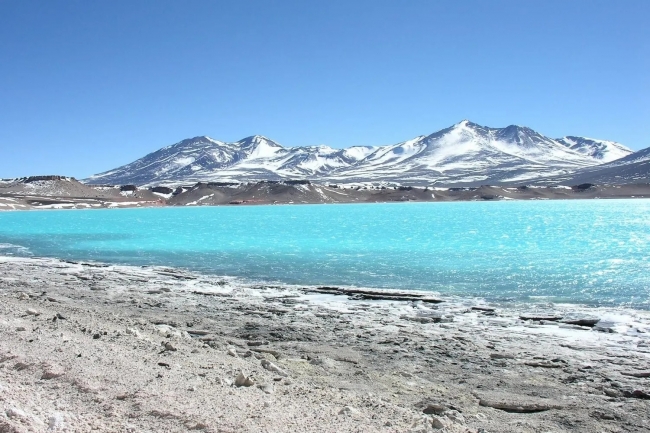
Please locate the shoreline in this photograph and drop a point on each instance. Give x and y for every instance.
(351, 291)
(319, 361)
(57, 194)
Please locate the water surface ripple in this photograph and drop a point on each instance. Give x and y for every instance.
(593, 251)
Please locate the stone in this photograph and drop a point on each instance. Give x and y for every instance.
(598, 414)
(15, 413)
(607, 326)
(266, 388)
(20, 365)
(52, 372)
(268, 365)
(198, 332)
(434, 409)
(323, 361)
(541, 316)
(501, 356)
(611, 392)
(455, 416)
(56, 421)
(169, 347)
(242, 380)
(21, 328)
(232, 352)
(639, 374)
(134, 332)
(544, 364)
(482, 308)
(583, 321)
(509, 402)
(33, 312)
(637, 393)
(437, 423)
(224, 382)
(349, 411)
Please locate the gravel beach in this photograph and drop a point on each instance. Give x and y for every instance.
(95, 347)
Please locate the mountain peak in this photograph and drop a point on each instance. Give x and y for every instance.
(199, 139)
(463, 153)
(465, 123)
(255, 138)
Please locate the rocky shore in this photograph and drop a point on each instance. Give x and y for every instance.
(94, 347)
(58, 192)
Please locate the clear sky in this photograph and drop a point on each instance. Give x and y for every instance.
(86, 86)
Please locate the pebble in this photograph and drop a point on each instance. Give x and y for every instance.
(501, 356)
(266, 387)
(232, 352)
(437, 423)
(134, 332)
(14, 412)
(169, 347)
(349, 411)
(52, 372)
(33, 312)
(268, 365)
(455, 416)
(611, 392)
(436, 409)
(56, 421)
(242, 380)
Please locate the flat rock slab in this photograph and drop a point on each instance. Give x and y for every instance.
(540, 317)
(544, 364)
(387, 295)
(516, 403)
(637, 393)
(199, 332)
(636, 373)
(483, 308)
(583, 321)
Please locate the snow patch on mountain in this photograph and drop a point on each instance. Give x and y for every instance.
(603, 150)
(465, 153)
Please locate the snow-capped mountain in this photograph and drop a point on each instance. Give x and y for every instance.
(603, 150)
(634, 168)
(465, 153)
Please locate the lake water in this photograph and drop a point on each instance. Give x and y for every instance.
(593, 252)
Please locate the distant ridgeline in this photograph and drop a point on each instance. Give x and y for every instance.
(465, 154)
(31, 179)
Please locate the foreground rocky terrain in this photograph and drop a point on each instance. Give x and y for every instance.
(57, 192)
(93, 347)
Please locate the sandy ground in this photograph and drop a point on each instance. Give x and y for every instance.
(90, 347)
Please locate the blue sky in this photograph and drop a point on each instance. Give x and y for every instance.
(90, 85)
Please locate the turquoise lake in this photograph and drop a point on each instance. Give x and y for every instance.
(593, 252)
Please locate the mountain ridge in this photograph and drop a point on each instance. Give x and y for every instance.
(464, 153)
